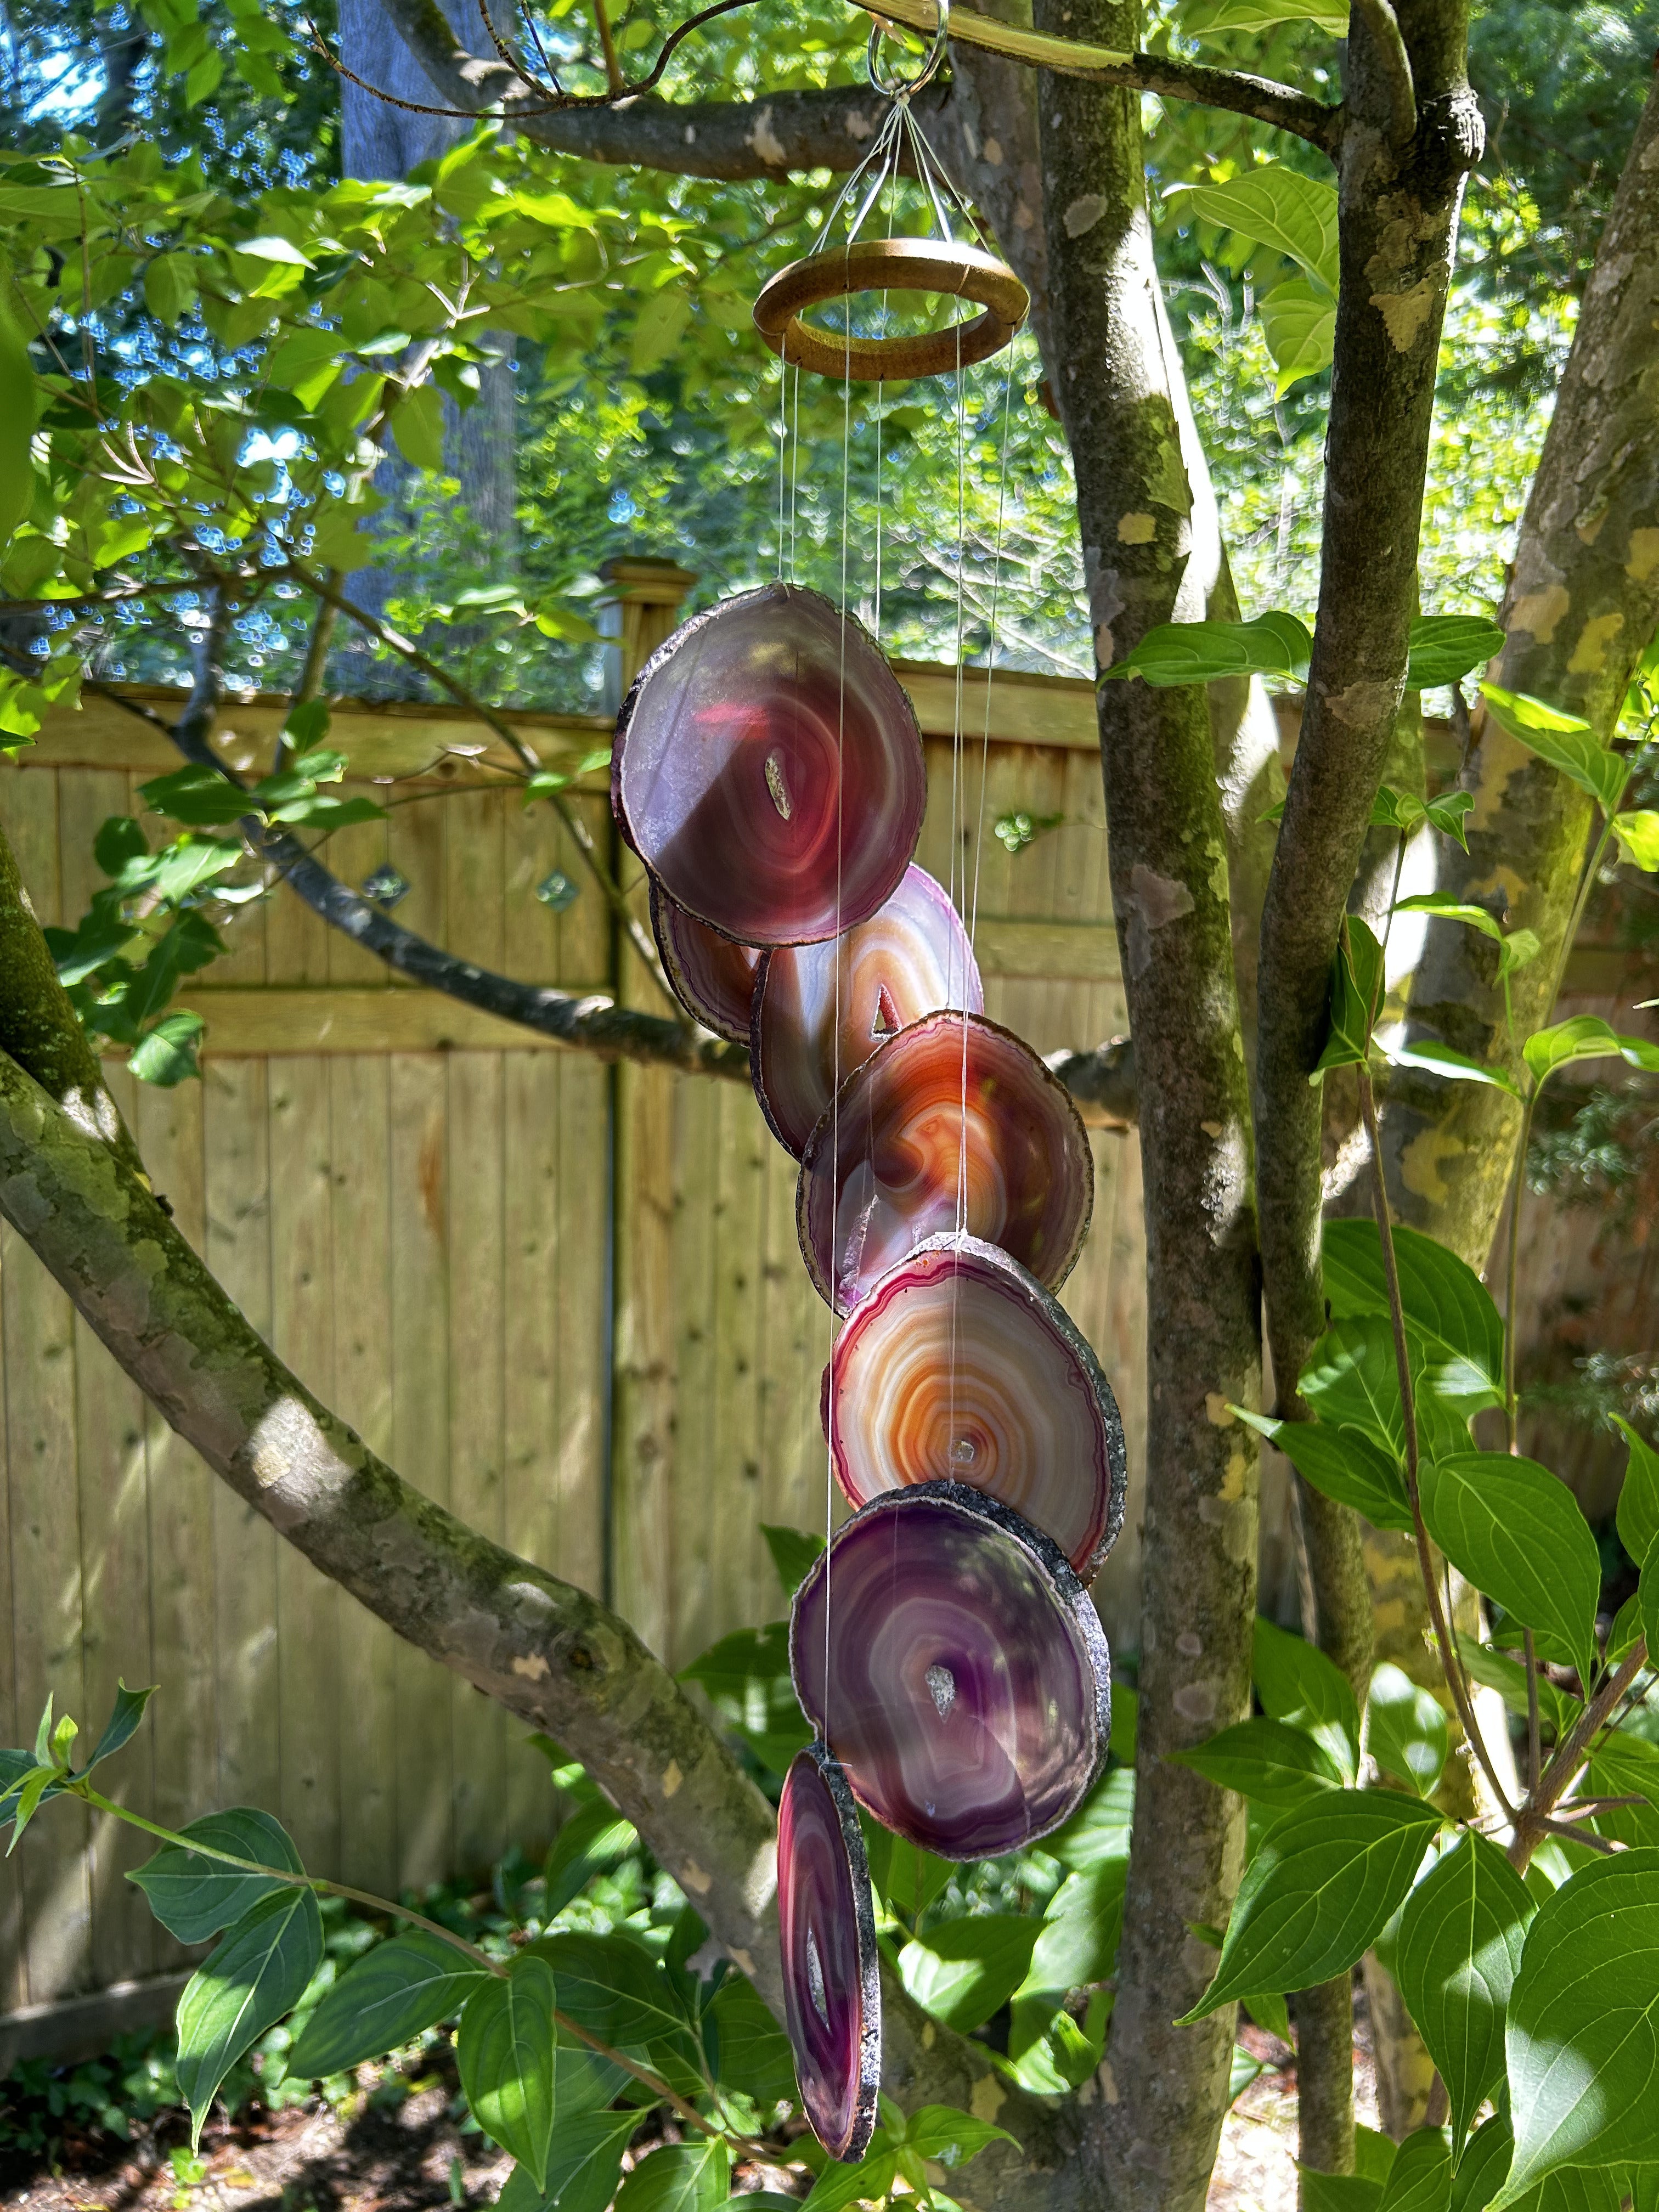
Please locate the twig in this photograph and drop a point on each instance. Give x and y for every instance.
(1570, 1753)
(613, 68)
(580, 836)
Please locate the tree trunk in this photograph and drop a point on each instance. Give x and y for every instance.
(1582, 605)
(1163, 2089)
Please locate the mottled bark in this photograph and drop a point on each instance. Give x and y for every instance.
(1581, 605)
(1162, 2088)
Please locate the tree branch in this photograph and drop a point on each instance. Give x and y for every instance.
(1280, 104)
(546, 1651)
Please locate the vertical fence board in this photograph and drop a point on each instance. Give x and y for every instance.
(236, 1146)
(302, 1333)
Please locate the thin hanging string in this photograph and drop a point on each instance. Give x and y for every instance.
(956, 845)
(794, 467)
(835, 1035)
(783, 455)
(991, 649)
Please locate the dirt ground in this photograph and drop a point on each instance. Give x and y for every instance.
(403, 2158)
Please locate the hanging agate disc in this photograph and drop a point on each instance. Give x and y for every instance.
(969, 1695)
(768, 770)
(960, 1366)
(713, 978)
(897, 1133)
(908, 960)
(831, 1973)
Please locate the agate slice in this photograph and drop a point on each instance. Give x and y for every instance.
(768, 770)
(809, 1020)
(831, 1973)
(960, 1366)
(897, 1146)
(968, 1694)
(713, 978)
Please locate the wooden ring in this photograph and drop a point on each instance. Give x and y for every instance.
(891, 264)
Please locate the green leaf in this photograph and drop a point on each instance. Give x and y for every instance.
(1337, 2192)
(1265, 1760)
(1518, 1535)
(868, 2182)
(1461, 1938)
(1353, 1381)
(907, 1878)
(584, 2165)
(1298, 1685)
(1278, 207)
(1565, 741)
(122, 1724)
(658, 329)
(952, 2138)
(793, 1550)
(194, 1896)
(417, 424)
(17, 427)
(256, 1975)
(751, 2052)
(1638, 838)
(1445, 647)
(505, 2054)
(1584, 2064)
(613, 1987)
(1557, 1709)
(1407, 1734)
(1437, 1059)
(1198, 652)
(165, 1054)
(1341, 1463)
(1481, 2168)
(199, 797)
(1584, 1037)
(1099, 1829)
(1357, 983)
(685, 2177)
(1626, 1766)
(1205, 16)
(382, 2001)
(592, 1841)
(1298, 322)
(1627, 1625)
(170, 288)
(1420, 2179)
(1638, 1499)
(1077, 1945)
(965, 1970)
(1442, 1298)
(1326, 1877)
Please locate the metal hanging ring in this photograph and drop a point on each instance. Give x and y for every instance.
(904, 88)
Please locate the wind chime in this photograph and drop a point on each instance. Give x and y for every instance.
(769, 772)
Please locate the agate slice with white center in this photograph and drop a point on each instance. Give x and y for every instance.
(831, 1974)
(903, 1155)
(768, 770)
(713, 978)
(821, 1010)
(967, 1688)
(959, 1367)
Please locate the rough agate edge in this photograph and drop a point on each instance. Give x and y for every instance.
(969, 1685)
(768, 770)
(959, 1367)
(896, 1134)
(712, 976)
(821, 1010)
(831, 1970)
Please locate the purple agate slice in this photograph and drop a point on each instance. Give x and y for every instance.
(831, 1973)
(713, 977)
(959, 1367)
(969, 1693)
(821, 1010)
(904, 1154)
(768, 770)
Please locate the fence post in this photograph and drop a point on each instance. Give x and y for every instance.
(641, 610)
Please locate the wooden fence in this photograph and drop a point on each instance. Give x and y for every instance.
(424, 1209)
(565, 1301)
